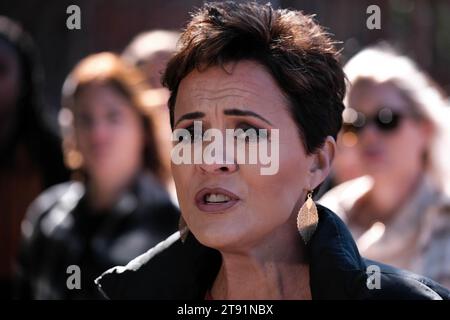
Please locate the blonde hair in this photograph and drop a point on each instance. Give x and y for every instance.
(148, 43)
(382, 64)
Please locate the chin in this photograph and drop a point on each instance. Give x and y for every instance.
(218, 237)
(102, 172)
(376, 168)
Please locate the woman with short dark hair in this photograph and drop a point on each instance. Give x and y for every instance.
(272, 77)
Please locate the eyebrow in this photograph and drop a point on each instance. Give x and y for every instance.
(240, 113)
(228, 112)
(190, 116)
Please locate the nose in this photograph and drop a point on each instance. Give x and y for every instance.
(217, 168)
(226, 166)
(98, 132)
(369, 134)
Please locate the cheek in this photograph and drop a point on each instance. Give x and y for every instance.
(409, 143)
(81, 138)
(134, 136)
(127, 137)
(279, 192)
(182, 176)
(294, 163)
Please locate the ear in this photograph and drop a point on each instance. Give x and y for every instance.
(322, 160)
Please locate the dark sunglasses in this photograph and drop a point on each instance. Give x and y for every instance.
(385, 120)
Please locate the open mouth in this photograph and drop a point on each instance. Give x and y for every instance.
(215, 199)
(212, 198)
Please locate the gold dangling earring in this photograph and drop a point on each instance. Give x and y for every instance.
(183, 228)
(307, 219)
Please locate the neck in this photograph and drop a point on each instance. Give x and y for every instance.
(104, 192)
(386, 198)
(274, 270)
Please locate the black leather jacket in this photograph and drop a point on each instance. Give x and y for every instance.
(175, 270)
(61, 230)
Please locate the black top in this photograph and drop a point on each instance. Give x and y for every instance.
(61, 229)
(176, 270)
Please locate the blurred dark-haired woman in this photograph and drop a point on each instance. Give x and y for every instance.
(119, 207)
(30, 149)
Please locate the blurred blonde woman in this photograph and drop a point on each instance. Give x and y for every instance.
(120, 208)
(397, 120)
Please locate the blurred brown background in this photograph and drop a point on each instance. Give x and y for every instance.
(420, 28)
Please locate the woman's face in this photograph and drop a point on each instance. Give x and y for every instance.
(109, 132)
(394, 153)
(251, 207)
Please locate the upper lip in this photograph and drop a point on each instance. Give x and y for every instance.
(199, 197)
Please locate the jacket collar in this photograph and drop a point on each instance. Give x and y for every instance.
(175, 270)
(337, 270)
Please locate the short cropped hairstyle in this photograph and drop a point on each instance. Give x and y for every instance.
(295, 50)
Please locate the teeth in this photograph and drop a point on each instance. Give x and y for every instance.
(216, 197)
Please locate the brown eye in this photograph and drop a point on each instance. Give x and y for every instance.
(113, 117)
(196, 135)
(251, 132)
(84, 121)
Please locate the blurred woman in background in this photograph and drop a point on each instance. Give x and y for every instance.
(30, 148)
(120, 208)
(398, 123)
(150, 51)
